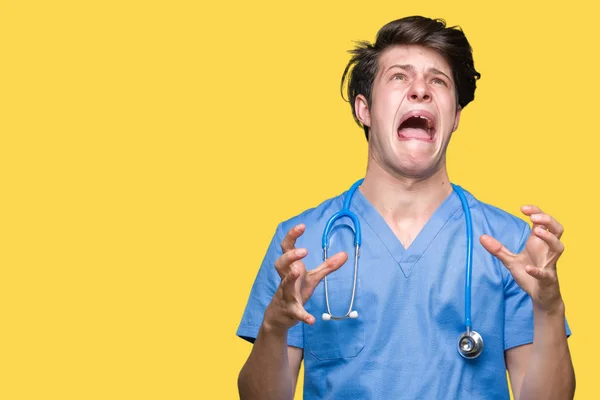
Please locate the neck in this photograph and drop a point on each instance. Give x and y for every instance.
(406, 204)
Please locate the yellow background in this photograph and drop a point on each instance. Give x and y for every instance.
(149, 149)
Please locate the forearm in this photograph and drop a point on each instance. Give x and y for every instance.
(550, 373)
(266, 374)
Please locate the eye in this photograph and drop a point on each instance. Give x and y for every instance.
(438, 81)
(399, 76)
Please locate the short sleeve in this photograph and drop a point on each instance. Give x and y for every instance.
(518, 309)
(265, 285)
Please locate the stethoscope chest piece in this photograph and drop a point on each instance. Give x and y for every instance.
(470, 344)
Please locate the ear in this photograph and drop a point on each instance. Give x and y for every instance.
(457, 118)
(361, 109)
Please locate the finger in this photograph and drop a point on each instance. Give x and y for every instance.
(547, 222)
(540, 274)
(296, 310)
(288, 285)
(531, 209)
(328, 266)
(283, 263)
(551, 240)
(304, 316)
(289, 241)
(496, 248)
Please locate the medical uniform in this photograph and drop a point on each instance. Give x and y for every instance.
(411, 305)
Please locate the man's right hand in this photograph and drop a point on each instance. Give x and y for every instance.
(297, 284)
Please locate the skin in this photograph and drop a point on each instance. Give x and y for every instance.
(406, 180)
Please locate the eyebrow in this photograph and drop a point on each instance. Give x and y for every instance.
(409, 67)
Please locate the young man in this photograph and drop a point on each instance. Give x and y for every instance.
(409, 304)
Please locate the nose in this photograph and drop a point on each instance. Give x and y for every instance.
(419, 91)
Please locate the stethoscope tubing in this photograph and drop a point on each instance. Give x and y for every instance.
(470, 343)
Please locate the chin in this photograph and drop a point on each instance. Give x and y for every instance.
(417, 169)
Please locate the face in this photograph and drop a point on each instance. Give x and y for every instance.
(413, 112)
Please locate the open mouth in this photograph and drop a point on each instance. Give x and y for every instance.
(417, 125)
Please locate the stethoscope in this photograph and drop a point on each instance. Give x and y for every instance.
(470, 343)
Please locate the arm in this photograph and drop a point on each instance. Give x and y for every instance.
(271, 371)
(277, 365)
(543, 369)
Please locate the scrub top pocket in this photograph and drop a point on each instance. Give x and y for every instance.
(332, 339)
(328, 340)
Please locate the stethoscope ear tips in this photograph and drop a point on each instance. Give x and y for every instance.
(327, 316)
(470, 345)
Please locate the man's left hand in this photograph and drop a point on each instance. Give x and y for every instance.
(534, 269)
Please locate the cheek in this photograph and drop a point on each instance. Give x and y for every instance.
(387, 108)
(447, 109)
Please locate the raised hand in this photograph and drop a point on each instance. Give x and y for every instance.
(297, 284)
(534, 269)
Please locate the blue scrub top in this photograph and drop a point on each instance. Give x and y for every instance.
(411, 305)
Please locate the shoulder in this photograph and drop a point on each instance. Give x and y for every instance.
(508, 228)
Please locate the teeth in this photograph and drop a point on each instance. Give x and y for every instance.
(429, 123)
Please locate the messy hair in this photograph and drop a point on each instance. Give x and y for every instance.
(450, 42)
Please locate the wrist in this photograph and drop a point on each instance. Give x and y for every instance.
(272, 326)
(273, 329)
(553, 308)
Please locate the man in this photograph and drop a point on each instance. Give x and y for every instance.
(408, 91)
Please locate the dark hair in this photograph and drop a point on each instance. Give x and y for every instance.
(450, 42)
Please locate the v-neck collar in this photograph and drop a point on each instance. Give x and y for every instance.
(406, 258)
